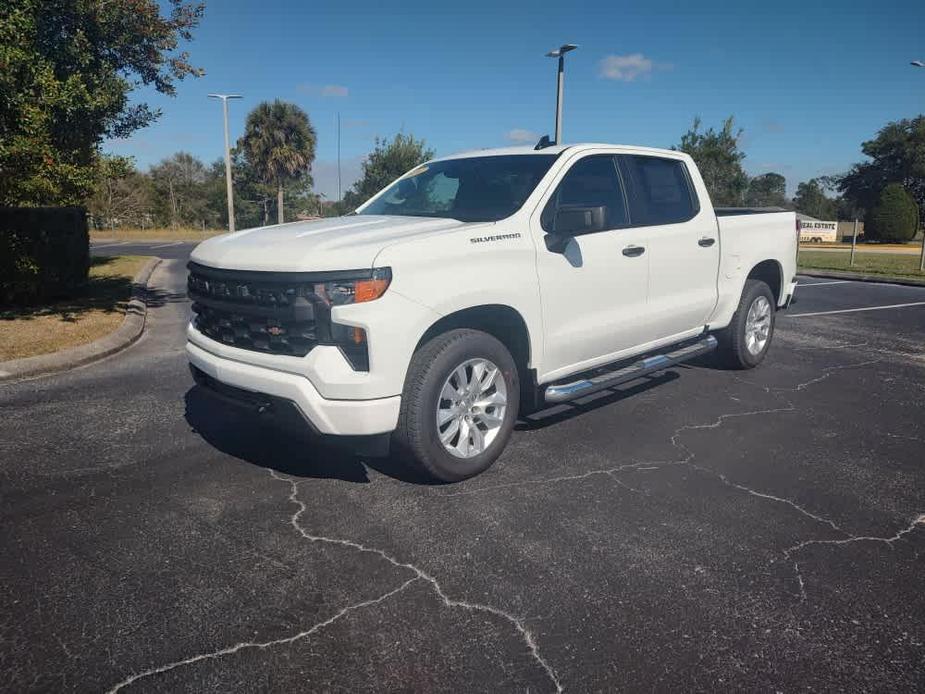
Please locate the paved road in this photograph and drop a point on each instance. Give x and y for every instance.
(171, 250)
(703, 530)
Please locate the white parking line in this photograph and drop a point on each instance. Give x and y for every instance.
(854, 310)
(107, 245)
(165, 245)
(820, 284)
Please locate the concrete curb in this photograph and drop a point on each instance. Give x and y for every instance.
(859, 277)
(132, 327)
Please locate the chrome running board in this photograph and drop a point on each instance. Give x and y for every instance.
(561, 392)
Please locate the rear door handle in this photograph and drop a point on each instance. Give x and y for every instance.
(634, 251)
(706, 242)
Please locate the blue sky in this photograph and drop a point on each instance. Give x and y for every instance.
(808, 81)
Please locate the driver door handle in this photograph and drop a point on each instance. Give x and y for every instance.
(706, 242)
(634, 251)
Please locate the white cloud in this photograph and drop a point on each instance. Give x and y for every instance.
(521, 135)
(332, 90)
(627, 68)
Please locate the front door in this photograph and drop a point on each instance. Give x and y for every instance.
(594, 290)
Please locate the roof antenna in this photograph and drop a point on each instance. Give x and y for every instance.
(543, 143)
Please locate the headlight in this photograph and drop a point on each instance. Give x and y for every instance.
(356, 291)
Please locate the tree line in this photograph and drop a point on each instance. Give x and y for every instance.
(886, 191)
(70, 68)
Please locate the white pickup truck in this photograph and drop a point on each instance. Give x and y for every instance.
(481, 286)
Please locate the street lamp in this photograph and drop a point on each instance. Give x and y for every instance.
(560, 83)
(919, 63)
(230, 194)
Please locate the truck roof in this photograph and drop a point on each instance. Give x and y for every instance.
(552, 149)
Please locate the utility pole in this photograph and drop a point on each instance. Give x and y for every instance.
(854, 243)
(229, 191)
(919, 63)
(339, 194)
(560, 83)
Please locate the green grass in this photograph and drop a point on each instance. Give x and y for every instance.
(886, 264)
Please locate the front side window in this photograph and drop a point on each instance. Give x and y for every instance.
(471, 189)
(659, 190)
(592, 183)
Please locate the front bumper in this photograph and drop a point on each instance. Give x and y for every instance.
(325, 416)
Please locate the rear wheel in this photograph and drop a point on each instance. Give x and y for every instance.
(744, 343)
(459, 405)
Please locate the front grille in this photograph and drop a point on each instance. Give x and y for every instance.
(264, 312)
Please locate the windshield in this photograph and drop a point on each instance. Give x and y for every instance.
(474, 189)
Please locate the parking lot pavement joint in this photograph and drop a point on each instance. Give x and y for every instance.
(262, 645)
(517, 622)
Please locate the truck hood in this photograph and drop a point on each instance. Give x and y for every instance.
(341, 243)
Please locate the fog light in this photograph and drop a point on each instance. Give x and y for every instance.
(352, 343)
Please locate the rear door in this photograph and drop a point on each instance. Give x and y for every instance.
(683, 243)
(594, 290)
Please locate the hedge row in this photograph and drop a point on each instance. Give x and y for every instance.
(44, 253)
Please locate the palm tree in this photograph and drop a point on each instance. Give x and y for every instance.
(279, 142)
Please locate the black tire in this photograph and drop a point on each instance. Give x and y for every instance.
(733, 351)
(416, 439)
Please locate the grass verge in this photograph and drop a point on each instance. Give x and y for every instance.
(161, 234)
(27, 331)
(886, 264)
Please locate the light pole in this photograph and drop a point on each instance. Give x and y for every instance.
(230, 193)
(919, 63)
(560, 83)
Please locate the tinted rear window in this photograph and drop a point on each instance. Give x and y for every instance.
(658, 189)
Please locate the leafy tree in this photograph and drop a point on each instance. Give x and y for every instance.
(767, 190)
(387, 161)
(719, 159)
(812, 200)
(897, 155)
(279, 143)
(179, 184)
(895, 217)
(67, 68)
(121, 195)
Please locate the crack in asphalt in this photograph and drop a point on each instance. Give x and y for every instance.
(517, 622)
(917, 521)
(262, 645)
(689, 456)
(419, 575)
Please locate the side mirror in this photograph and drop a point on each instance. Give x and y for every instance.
(574, 220)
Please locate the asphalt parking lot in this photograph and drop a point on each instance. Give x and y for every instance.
(700, 530)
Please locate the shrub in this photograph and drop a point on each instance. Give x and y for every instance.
(895, 217)
(44, 253)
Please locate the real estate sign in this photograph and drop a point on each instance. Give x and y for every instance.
(817, 232)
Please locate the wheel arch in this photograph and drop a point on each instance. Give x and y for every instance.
(508, 326)
(771, 273)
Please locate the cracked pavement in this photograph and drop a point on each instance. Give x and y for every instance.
(698, 530)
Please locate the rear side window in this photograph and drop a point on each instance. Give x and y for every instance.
(591, 182)
(659, 190)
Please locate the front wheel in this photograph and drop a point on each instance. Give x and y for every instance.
(459, 405)
(744, 343)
